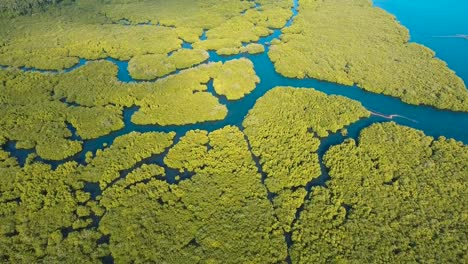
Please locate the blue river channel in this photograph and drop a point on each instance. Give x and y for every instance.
(431, 22)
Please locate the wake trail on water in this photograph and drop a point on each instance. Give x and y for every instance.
(462, 36)
(390, 117)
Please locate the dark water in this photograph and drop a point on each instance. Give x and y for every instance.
(432, 121)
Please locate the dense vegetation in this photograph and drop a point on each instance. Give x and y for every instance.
(23, 7)
(91, 99)
(220, 215)
(284, 129)
(151, 66)
(235, 79)
(351, 42)
(250, 49)
(47, 216)
(396, 195)
(43, 213)
(37, 121)
(412, 183)
(126, 151)
(56, 39)
(236, 194)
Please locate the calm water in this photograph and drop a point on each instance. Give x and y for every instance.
(424, 19)
(427, 20)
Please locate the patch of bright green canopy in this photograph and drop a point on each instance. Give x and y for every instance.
(105, 166)
(284, 130)
(394, 196)
(91, 99)
(152, 66)
(43, 215)
(351, 42)
(57, 38)
(252, 48)
(38, 121)
(235, 79)
(220, 215)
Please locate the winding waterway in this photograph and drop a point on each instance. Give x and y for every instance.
(433, 122)
(430, 120)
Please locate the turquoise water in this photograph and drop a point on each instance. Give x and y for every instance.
(432, 121)
(428, 20)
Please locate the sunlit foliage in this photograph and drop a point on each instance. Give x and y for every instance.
(284, 130)
(220, 215)
(228, 23)
(235, 79)
(351, 42)
(23, 7)
(181, 99)
(56, 39)
(91, 100)
(30, 116)
(190, 153)
(227, 196)
(41, 219)
(123, 154)
(252, 48)
(151, 66)
(191, 14)
(395, 196)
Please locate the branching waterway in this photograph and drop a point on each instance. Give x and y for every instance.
(383, 108)
(432, 121)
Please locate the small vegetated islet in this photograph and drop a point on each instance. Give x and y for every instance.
(394, 194)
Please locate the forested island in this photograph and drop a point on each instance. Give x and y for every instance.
(152, 131)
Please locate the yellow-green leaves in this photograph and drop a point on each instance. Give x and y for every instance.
(152, 66)
(92, 30)
(147, 67)
(190, 153)
(188, 14)
(91, 99)
(57, 148)
(181, 99)
(223, 209)
(235, 79)
(50, 42)
(36, 221)
(351, 42)
(253, 48)
(283, 130)
(23, 7)
(35, 109)
(95, 122)
(124, 153)
(396, 191)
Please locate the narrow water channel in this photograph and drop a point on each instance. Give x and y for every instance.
(430, 120)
